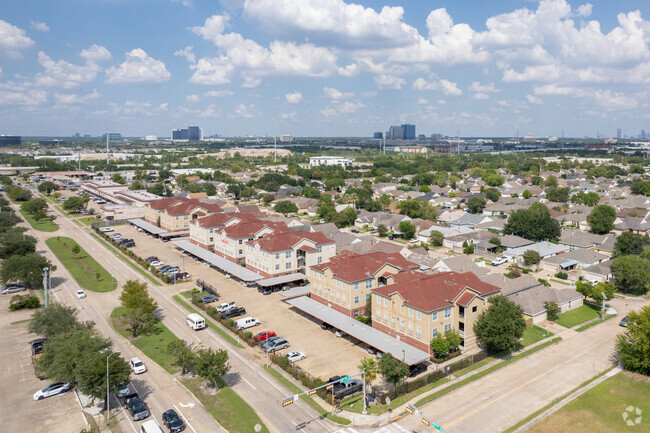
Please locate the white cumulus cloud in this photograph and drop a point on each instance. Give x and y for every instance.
(388, 81)
(64, 74)
(96, 53)
(39, 26)
(13, 39)
(293, 98)
(332, 93)
(138, 68)
(448, 87)
(188, 53)
(245, 111)
(584, 10)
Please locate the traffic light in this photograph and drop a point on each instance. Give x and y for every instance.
(312, 392)
(287, 401)
(409, 410)
(426, 422)
(329, 387)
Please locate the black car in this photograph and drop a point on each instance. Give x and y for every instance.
(173, 422)
(233, 312)
(326, 326)
(208, 299)
(416, 369)
(393, 237)
(137, 408)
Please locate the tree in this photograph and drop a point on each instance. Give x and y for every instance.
(157, 189)
(439, 345)
(369, 365)
(628, 243)
(453, 340)
(633, 347)
(14, 242)
(267, 199)
(183, 354)
(495, 240)
(534, 223)
(526, 194)
(382, 230)
(40, 215)
(492, 194)
(136, 185)
(531, 257)
(407, 229)
(75, 250)
(139, 307)
(500, 326)
(27, 268)
(285, 207)
(47, 187)
(117, 178)
(493, 180)
(550, 182)
(414, 208)
(92, 373)
(468, 248)
(476, 204)
(631, 274)
(558, 194)
(436, 238)
(34, 205)
(73, 203)
(552, 311)
(391, 369)
(601, 219)
(211, 365)
(56, 319)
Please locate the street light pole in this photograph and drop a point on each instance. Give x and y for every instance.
(365, 408)
(108, 390)
(45, 284)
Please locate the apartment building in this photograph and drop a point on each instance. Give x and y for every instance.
(230, 241)
(202, 229)
(175, 214)
(288, 252)
(345, 283)
(416, 310)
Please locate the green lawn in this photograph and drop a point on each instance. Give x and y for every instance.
(601, 408)
(230, 410)
(89, 220)
(578, 316)
(83, 267)
(534, 334)
(42, 225)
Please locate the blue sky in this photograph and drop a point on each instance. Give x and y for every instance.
(324, 67)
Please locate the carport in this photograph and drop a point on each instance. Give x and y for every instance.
(224, 265)
(282, 279)
(372, 337)
(168, 235)
(147, 227)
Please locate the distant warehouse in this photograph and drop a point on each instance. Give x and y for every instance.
(329, 160)
(10, 140)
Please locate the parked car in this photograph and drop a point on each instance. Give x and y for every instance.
(373, 351)
(354, 231)
(295, 356)
(50, 390)
(115, 236)
(208, 299)
(264, 335)
(233, 312)
(225, 306)
(155, 263)
(124, 389)
(275, 344)
(164, 269)
(137, 366)
(246, 322)
(182, 276)
(80, 294)
(172, 270)
(151, 259)
(393, 237)
(340, 333)
(416, 369)
(13, 288)
(172, 421)
(129, 244)
(326, 326)
(347, 388)
(624, 322)
(499, 261)
(137, 408)
(414, 240)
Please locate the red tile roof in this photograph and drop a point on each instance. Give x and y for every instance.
(247, 229)
(220, 219)
(436, 291)
(349, 267)
(187, 208)
(166, 202)
(287, 240)
(466, 298)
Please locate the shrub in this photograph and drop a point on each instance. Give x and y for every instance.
(230, 323)
(552, 311)
(544, 282)
(562, 275)
(18, 302)
(248, 335)
(212, 312)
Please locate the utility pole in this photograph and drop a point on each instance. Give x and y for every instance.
(45, 285)
(275, 145)
(108, 160)
(79, 157)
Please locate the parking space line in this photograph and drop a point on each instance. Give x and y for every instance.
(128, 418)
(186, 421)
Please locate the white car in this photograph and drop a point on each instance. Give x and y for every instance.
(156, 263)
(137, 366)
(295, 356)
(340, 333)
(106, 229)
(49, 391)
(499, 261)
(80, 294)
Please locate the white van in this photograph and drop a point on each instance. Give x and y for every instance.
(150, 426)
(195, 321)
(246, 322)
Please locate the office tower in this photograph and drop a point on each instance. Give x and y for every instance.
(618, 133)
(194, 133)
(378, 135)
(395, 133)
(408, 132)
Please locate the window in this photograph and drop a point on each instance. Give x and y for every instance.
(356, 286)
(419, 315)
(434, 315)
(277, 267)
(402, 323)
(277, 255)
(418, 331)
(410, 312)
(356, 313)
(378, 300)
(392, 320)
(447, 312)
(434, 332)
(211, 239)
(241, 251)
(410, 327)
(378, 314)
(385, 302)
(385, 317)
(240, 242)
(368, 284)
(447, 327)
(356, 299)
(319, 249)
(287, 255)
(337, 283)
(343, 298)
(211, 230)
(288, 265)
(176, 217)
(320, 260)
(185, 225)
(474, 308)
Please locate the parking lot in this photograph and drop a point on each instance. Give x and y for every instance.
(327, 355)
(19, 411)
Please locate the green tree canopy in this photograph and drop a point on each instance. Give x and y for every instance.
(391, 369)
(285, 207)
(14, 242)
(633, 347)
(415, 208)
(73, 203)
(183, 354)
(631, 274)
(117, 178)
(56, 319)
(34, 205)
(407, 229)
(476, 204)
(534, 223)
(558, 194)
(139, 307)
(27, 268)
(501, 326)
(436, 238)
(47, 187)
(628, 243)
(492, 194)
(601, 219)
(531, 257)
(212, 365)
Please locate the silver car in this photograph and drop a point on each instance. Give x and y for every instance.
(13, 288)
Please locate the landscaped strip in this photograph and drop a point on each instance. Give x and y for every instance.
(228, 408)
(129, 262)
(310, 401)
(578, 316)
(595, 322)
(45, 225)
(209, 322)
(86, 271)
(485, 372)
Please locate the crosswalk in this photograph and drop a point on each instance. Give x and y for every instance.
(390, 428)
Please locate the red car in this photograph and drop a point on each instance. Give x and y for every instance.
(264, 335)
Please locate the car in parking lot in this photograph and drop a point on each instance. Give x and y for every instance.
(129, 244)
(181, 276)
(13, 288)
(326, 326)
(164, 269)
(499, 261)
(416, 369)
(208, 299)
(172, 421)
(115, 236)
(225, 306)
(340, 333)
(137, 366)
(264, 335)
(137, 408)
(50, 390)
(295, 356)
(80, 294)
(624, 322)
(233, 312)
(151, 259)
(171, 270)
(106, 229)
(274, 344)
(155, 263)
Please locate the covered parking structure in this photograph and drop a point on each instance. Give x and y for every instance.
(147, 227)
(168, 235)
(371, 336)
(282, 279)
(226, 266)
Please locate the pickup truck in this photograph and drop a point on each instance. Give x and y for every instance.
(347, 388)
(226, 306)
(233, 312)
(137, 408)
(37, 349)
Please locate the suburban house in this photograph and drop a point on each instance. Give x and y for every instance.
(575, 259)
(288, 252)
(544, 249)
(599, 273)
(344, 283)
(575, 239)
(418, 309)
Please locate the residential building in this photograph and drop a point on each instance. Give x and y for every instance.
(329, 160)
(410, 149)
(230, 241)
(345, 283)
(288, 252)
(175, 213)
(202, 229)
(420, 308)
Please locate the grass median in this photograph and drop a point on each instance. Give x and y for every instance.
(225, 406)
(84, 269)
(44, 225)
(595, 322)
(209, 322)
(125, 259)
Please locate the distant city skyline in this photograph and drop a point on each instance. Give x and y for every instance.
(325, 67)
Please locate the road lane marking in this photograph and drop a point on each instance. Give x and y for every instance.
(249, 384)
(186, 421)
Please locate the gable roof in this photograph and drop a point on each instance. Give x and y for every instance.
(283, 241)
(351, 267)
(249, 228)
